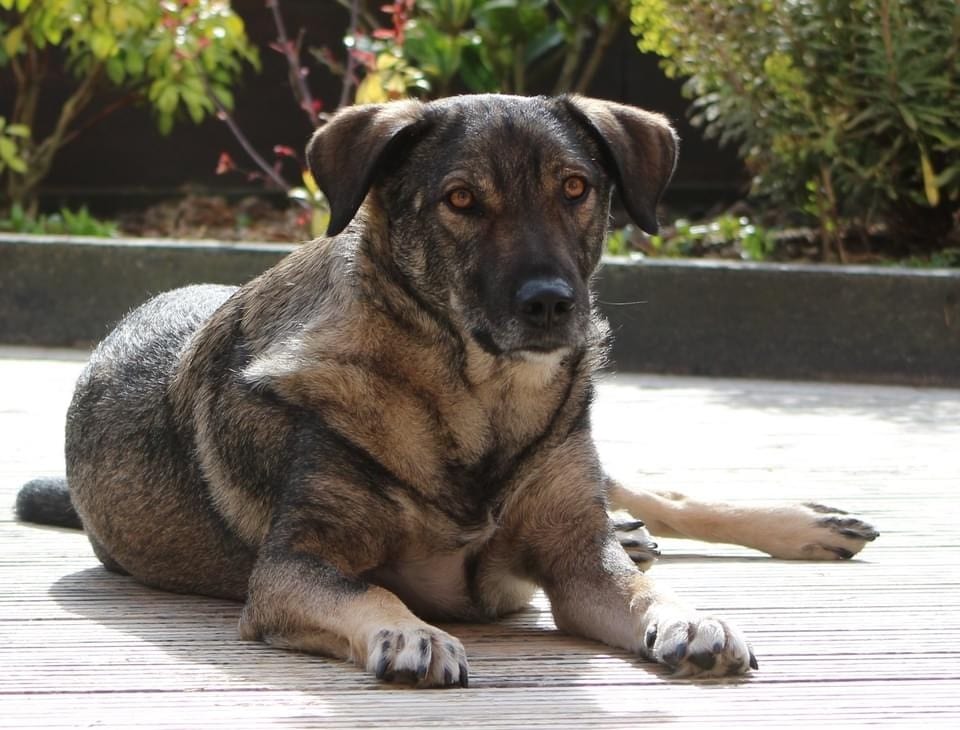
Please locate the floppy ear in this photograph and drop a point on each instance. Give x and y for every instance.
(344, 154)
(639, 149)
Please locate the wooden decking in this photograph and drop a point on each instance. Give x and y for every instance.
(874, 640)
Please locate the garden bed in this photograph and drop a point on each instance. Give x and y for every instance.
(850, 323)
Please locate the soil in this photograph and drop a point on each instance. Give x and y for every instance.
(256, 219)
(214, 217)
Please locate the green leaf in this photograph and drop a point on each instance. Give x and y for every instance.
(546, 41)
(476, 71)
(116, 71)
(165, 123)
(8, 151)
(930, 188)
(102, 44)
(908, 117)
(13, 40)
(134, 62)
(168, 99)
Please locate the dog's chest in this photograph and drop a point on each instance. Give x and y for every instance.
(435, 585)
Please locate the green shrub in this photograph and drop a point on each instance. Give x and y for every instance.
(848, 110)
(64, 222)
(727, 233)
(167, 54)
(510, 46)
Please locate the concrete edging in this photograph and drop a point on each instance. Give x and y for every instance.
(852, 323)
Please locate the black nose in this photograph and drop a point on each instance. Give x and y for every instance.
(544, 302)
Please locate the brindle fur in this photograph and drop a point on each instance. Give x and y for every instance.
(374, 432)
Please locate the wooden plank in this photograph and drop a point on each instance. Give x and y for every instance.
(871, 641)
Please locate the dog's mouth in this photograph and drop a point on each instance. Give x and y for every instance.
(533, 348)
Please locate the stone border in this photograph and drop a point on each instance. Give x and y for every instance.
(806, 322)
(851, 323)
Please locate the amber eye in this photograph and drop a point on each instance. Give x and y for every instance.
(574, 187)
(461, 199)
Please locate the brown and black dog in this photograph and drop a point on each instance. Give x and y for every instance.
(393, 424)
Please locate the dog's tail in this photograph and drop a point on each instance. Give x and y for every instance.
(46, 501)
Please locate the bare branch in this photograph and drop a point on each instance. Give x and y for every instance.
(349, 76)
(291, 52)
(251, 151)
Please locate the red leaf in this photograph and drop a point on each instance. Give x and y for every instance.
(225, 164)
(283, 48)
(284, 151)
(384, 34)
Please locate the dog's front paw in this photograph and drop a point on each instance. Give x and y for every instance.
(815, 532)
(695, 645)
(421, 655)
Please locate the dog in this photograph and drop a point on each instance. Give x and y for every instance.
(392, 425)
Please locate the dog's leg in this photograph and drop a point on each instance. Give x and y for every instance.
(299, 601)
(791, 532)
(563, 537)
(605, 597)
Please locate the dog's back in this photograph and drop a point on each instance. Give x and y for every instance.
(128, 454)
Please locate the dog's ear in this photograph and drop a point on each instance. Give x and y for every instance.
(345, 153)
(639, 149)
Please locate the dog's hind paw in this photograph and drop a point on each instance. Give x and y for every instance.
(420, 655)
(635, 539)
(694, 645)
(813, 531)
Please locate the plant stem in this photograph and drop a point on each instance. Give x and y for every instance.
(124, 101)
(349, 76)
(600, 48)
(23, 187)
(831, 227)
(291, 52)
(251, 151)
(571, 59)
(351, 5)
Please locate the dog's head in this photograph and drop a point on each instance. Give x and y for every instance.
(496, 207)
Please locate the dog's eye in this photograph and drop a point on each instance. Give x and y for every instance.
(574, 187)
(461, 199)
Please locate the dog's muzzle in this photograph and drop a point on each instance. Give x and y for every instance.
(545, 308)
(544, 304)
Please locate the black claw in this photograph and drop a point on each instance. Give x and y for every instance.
(628, 526)
(464, 676)
(630, 543)
(382, 665)
(753, 662)
(651, 637)
(705, 661)
(447, 677)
